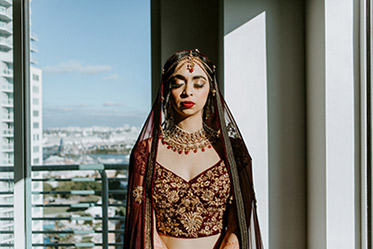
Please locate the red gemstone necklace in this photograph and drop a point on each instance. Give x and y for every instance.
(182, 141)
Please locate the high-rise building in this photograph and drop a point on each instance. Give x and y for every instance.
(7, 122)
(6, 115)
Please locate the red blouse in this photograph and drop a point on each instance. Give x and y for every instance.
(194, 208)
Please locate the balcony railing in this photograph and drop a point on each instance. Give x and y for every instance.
(8, 116)
(7, 87)
(7, 161)
(8, 132)
(33, 60)
(8, 101)
(8, 72)
(6, 11)
(7, 26)
(109, 227)
(34, 37)
(34, 49)
(6, 41)
(8, 146)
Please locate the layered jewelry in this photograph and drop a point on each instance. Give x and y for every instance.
(182, 141)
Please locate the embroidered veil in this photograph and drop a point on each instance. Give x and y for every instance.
(139, 222)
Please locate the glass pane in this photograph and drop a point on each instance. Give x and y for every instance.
(370, 126)
(6, 125)
(90, 93)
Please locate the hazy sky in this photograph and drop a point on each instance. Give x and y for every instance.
(95, 57)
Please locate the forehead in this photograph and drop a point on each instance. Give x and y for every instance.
(182, 68)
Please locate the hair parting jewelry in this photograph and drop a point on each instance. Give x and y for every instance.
(191, 60)
(190, 65)
(182, 141)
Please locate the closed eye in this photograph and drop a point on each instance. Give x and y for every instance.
(176, 83)
(199, 85)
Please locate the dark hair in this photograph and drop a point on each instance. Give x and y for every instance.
(168, 70)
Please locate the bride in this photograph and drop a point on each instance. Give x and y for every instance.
(190, 180)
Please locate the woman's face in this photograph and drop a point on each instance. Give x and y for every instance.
(189, 90)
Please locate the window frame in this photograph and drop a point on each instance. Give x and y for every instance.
(366, 62)
(368, 170)
(22, 143)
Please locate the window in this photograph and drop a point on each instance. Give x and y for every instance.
(35, 89)
(66, 101)
(35, 77)
(35, 149)
(35, 137)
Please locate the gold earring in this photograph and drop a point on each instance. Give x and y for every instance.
(207, 114)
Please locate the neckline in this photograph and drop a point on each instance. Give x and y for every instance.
(193, 178)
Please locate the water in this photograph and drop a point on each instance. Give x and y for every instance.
(110, 158)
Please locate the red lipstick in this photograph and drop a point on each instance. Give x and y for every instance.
(188, 104)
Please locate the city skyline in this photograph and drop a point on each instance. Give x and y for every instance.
(95, 63)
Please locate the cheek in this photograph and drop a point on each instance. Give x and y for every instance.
(174, 96)
(204, 96)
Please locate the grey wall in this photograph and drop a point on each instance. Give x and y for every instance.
(316, 120)
(285, 33)
(179, 25)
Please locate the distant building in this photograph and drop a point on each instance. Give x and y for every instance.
(7, 121)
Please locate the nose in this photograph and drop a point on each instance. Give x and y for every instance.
(188, 91)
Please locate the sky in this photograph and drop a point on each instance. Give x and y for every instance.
(95, 61)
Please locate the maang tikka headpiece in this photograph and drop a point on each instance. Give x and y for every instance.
(190, 65)
(191, 61)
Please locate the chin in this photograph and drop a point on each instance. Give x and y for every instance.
(188, 112)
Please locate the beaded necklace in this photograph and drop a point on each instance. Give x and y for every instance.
(182, 141)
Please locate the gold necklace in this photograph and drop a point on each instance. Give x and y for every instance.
(181, 141)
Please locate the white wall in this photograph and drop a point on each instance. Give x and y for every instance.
(332, 156)
(265, 87)
(340, 154)
(246, 94)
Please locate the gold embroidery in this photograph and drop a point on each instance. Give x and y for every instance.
(140, 155)
(192, 208)
(173, 196)
(192, 221)
(137, 194)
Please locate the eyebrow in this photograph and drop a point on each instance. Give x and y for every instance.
(181, 77)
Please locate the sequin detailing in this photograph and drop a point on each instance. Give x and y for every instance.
(191, 209)
(137, 194)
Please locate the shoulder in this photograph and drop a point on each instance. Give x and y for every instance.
(139, 156)
(142, 146)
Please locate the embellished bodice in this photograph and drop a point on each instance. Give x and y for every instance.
(194, 208)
